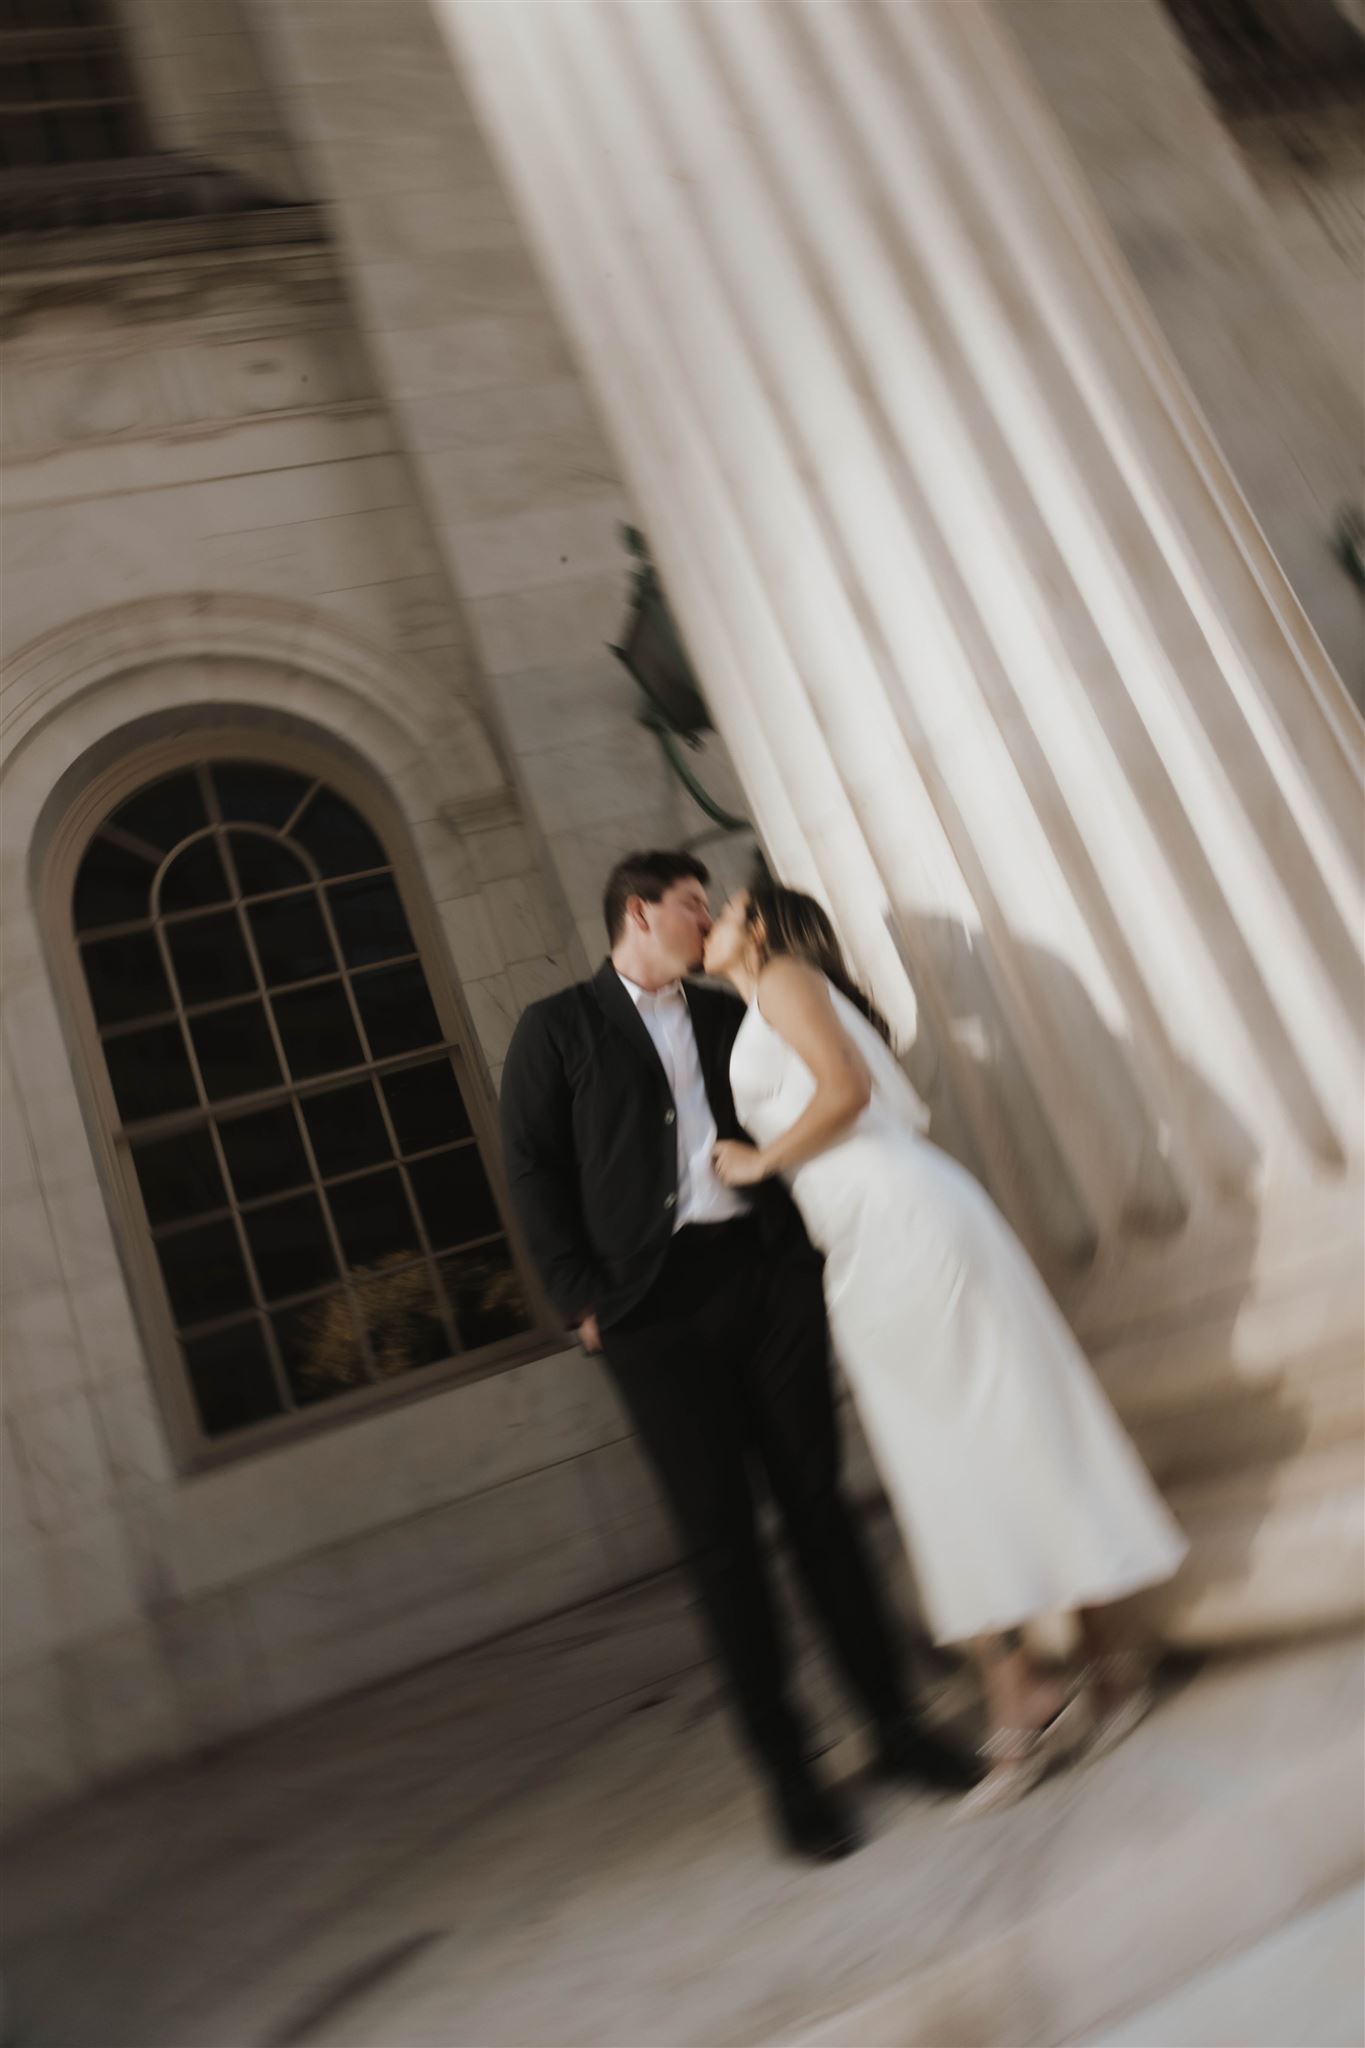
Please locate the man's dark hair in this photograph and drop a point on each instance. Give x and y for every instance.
(648, 875)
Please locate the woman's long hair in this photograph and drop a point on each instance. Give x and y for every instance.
(796, 928)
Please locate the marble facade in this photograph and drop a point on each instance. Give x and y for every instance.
(360, 465)
(553, 1840)
(207, 499)
(1012, 679)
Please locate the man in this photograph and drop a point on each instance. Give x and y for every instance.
(709, 1309)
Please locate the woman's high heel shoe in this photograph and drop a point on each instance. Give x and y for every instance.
(1017, 1759)
(1123, 1678)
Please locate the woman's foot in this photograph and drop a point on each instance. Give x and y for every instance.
(1017, 1759)
(1123, 1695)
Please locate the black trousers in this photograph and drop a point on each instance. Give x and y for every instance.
(724, 1367)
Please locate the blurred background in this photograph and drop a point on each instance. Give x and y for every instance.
(446, 445)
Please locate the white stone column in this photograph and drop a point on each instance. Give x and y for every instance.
(1011, 678)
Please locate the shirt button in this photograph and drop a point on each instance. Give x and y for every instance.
(672, 1117)
(670, 1201)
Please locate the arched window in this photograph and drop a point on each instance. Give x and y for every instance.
(292, 1111)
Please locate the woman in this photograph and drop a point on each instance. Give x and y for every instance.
(1015, 1488)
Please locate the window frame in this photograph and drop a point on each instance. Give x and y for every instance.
(99, 44)
(193, 1450)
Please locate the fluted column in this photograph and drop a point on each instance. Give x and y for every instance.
(1010, 677)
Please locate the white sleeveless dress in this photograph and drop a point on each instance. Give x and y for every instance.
(1016, 1490)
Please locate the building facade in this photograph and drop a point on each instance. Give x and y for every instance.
(335, 361)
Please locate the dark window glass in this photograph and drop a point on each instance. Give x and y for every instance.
(290, 1246)
(264, 796)
(396, 1010)
(308, 1169)
(235, 1051)
(69, 100)
(292, 939)
(264, 1153)
(321, 1352)
(317, 1029)
(210, 957)
(150, 1072)
(426, 1106)
(179, 1177)
(114, 886)
(126, 978)
(339, 840)
(454, 1197)
(373, 1219)
(195, 878)
(230, 1373)
(166, 813)
(264, 865)
(485, 1295)
(369, 920)
(204, 1272)
(402, 1312)
(346, 1128)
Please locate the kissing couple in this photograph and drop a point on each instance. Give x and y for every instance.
(717, 1186)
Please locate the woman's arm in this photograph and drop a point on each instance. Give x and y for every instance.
(795, 1002)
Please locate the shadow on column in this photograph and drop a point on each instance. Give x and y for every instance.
(1219, 1450)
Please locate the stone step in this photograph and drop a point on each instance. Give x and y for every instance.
(1161, 1914)
(1251, 1423)
(553, 1840)
(1275, 1549)
(1233, 1808)
(1304, 1984)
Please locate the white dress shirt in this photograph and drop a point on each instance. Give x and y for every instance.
(701, 1197)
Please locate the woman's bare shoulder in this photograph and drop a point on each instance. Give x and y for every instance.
(792, 986)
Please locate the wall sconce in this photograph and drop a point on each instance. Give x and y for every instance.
(674, 709)
(1348, 543)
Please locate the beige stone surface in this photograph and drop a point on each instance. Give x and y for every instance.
(1011, 678)
(1303, 1984)
(209, 494)
(204, 87)
(351, 474)
(553, 1840)
(1249, 245)
(485, 399)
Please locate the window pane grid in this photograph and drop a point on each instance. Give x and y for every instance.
(67, 96)
(127, 1026)
(129, 926)
(395, 1252)
(239, 1228)
(300, 807)
(129, 841)
(307, 1187)
(329, 1222)
(405, 1179)
(212, 1325)
(174, 1121)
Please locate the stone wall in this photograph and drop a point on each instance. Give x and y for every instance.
(207, 501)
(523, 491)
(200, 72)
(343, 468)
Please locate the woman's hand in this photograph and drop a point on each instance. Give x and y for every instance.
(738, 1165)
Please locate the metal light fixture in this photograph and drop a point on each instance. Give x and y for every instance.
(1348, 543)
(674, 709)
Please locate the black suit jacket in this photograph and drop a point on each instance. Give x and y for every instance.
(591, 1144)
